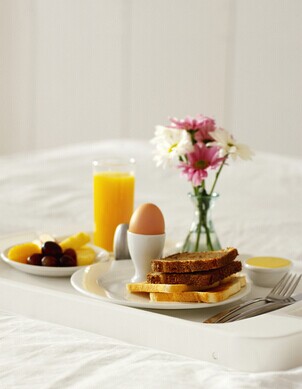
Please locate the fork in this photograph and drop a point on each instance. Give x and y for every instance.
(284, 289)
(255, 311)
(281, 292)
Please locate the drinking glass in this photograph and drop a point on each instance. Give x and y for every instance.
(113, 198)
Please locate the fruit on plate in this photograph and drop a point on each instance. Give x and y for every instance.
(48, 260)
(75, 241)
(70, 252)
(21, 252)
(35, 259)
(52, 249)
(85, 256)
(67, 260)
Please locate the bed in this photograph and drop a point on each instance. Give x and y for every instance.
(51, 337)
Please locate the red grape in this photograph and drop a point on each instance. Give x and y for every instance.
(35, 259)
(48, 260)
(71, 253)
(52, 249)
(67, 260)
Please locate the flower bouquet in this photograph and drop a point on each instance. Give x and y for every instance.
(195, 146)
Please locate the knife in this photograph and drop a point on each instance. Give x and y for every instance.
(268, 307)
(230, 311)
(260, 307)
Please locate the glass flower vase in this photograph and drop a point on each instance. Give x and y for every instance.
(202, 235)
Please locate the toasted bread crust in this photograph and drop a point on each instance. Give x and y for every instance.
(145, 287)
(194, 262)
(199, 279)
(220, 293)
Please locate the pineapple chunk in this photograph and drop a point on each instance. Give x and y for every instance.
(21, 252)
(85, 256)
(75, 241)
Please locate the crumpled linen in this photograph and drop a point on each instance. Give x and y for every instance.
(40, 355)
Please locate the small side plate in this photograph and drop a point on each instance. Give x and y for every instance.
(47, 271)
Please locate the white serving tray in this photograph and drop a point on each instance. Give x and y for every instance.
(269, 342)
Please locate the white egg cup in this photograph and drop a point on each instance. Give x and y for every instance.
(142, 249)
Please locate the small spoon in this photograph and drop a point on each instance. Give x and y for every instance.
(120, 244)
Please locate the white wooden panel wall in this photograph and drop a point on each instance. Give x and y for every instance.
(266, 94)
(17, 111)
(75, 71)
(178, 51)
(79, 69)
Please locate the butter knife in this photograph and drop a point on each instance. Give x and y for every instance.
(268, 307)
(243, 307)
(264, 307)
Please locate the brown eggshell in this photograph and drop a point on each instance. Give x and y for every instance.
(147, 220)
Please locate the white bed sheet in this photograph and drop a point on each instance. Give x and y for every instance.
(40, 355)
(259, 212)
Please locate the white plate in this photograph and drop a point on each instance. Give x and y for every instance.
(107, 281)
(47, 271)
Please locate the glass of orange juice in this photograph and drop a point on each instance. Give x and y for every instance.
(113, 198)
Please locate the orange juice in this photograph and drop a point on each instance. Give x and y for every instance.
(113, 193)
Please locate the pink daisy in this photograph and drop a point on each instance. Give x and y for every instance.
(203, 126)
(199, 160)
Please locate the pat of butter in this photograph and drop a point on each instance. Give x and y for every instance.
(269, 262)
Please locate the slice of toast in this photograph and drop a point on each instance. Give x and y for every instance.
(215, 295)
(146, 287)
(198, 279)
(193, 262)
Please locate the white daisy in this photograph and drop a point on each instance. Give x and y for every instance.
(228, 146)
(170, 144)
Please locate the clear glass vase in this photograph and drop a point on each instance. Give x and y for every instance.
(202, 235)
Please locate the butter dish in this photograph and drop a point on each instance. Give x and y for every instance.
(266, 271)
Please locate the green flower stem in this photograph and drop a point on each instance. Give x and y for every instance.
(198, 235)
(203, 208)
(204, 223)
(217, 175)
(196, 191)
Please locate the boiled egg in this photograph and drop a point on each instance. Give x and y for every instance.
(147, 219)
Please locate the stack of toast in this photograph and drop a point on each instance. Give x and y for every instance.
(208, 277)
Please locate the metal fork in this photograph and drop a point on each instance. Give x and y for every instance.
(282, 291)
(269, 304)
(265, 308)
(284, 288)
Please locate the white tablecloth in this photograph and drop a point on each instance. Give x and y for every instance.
(259, 212)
